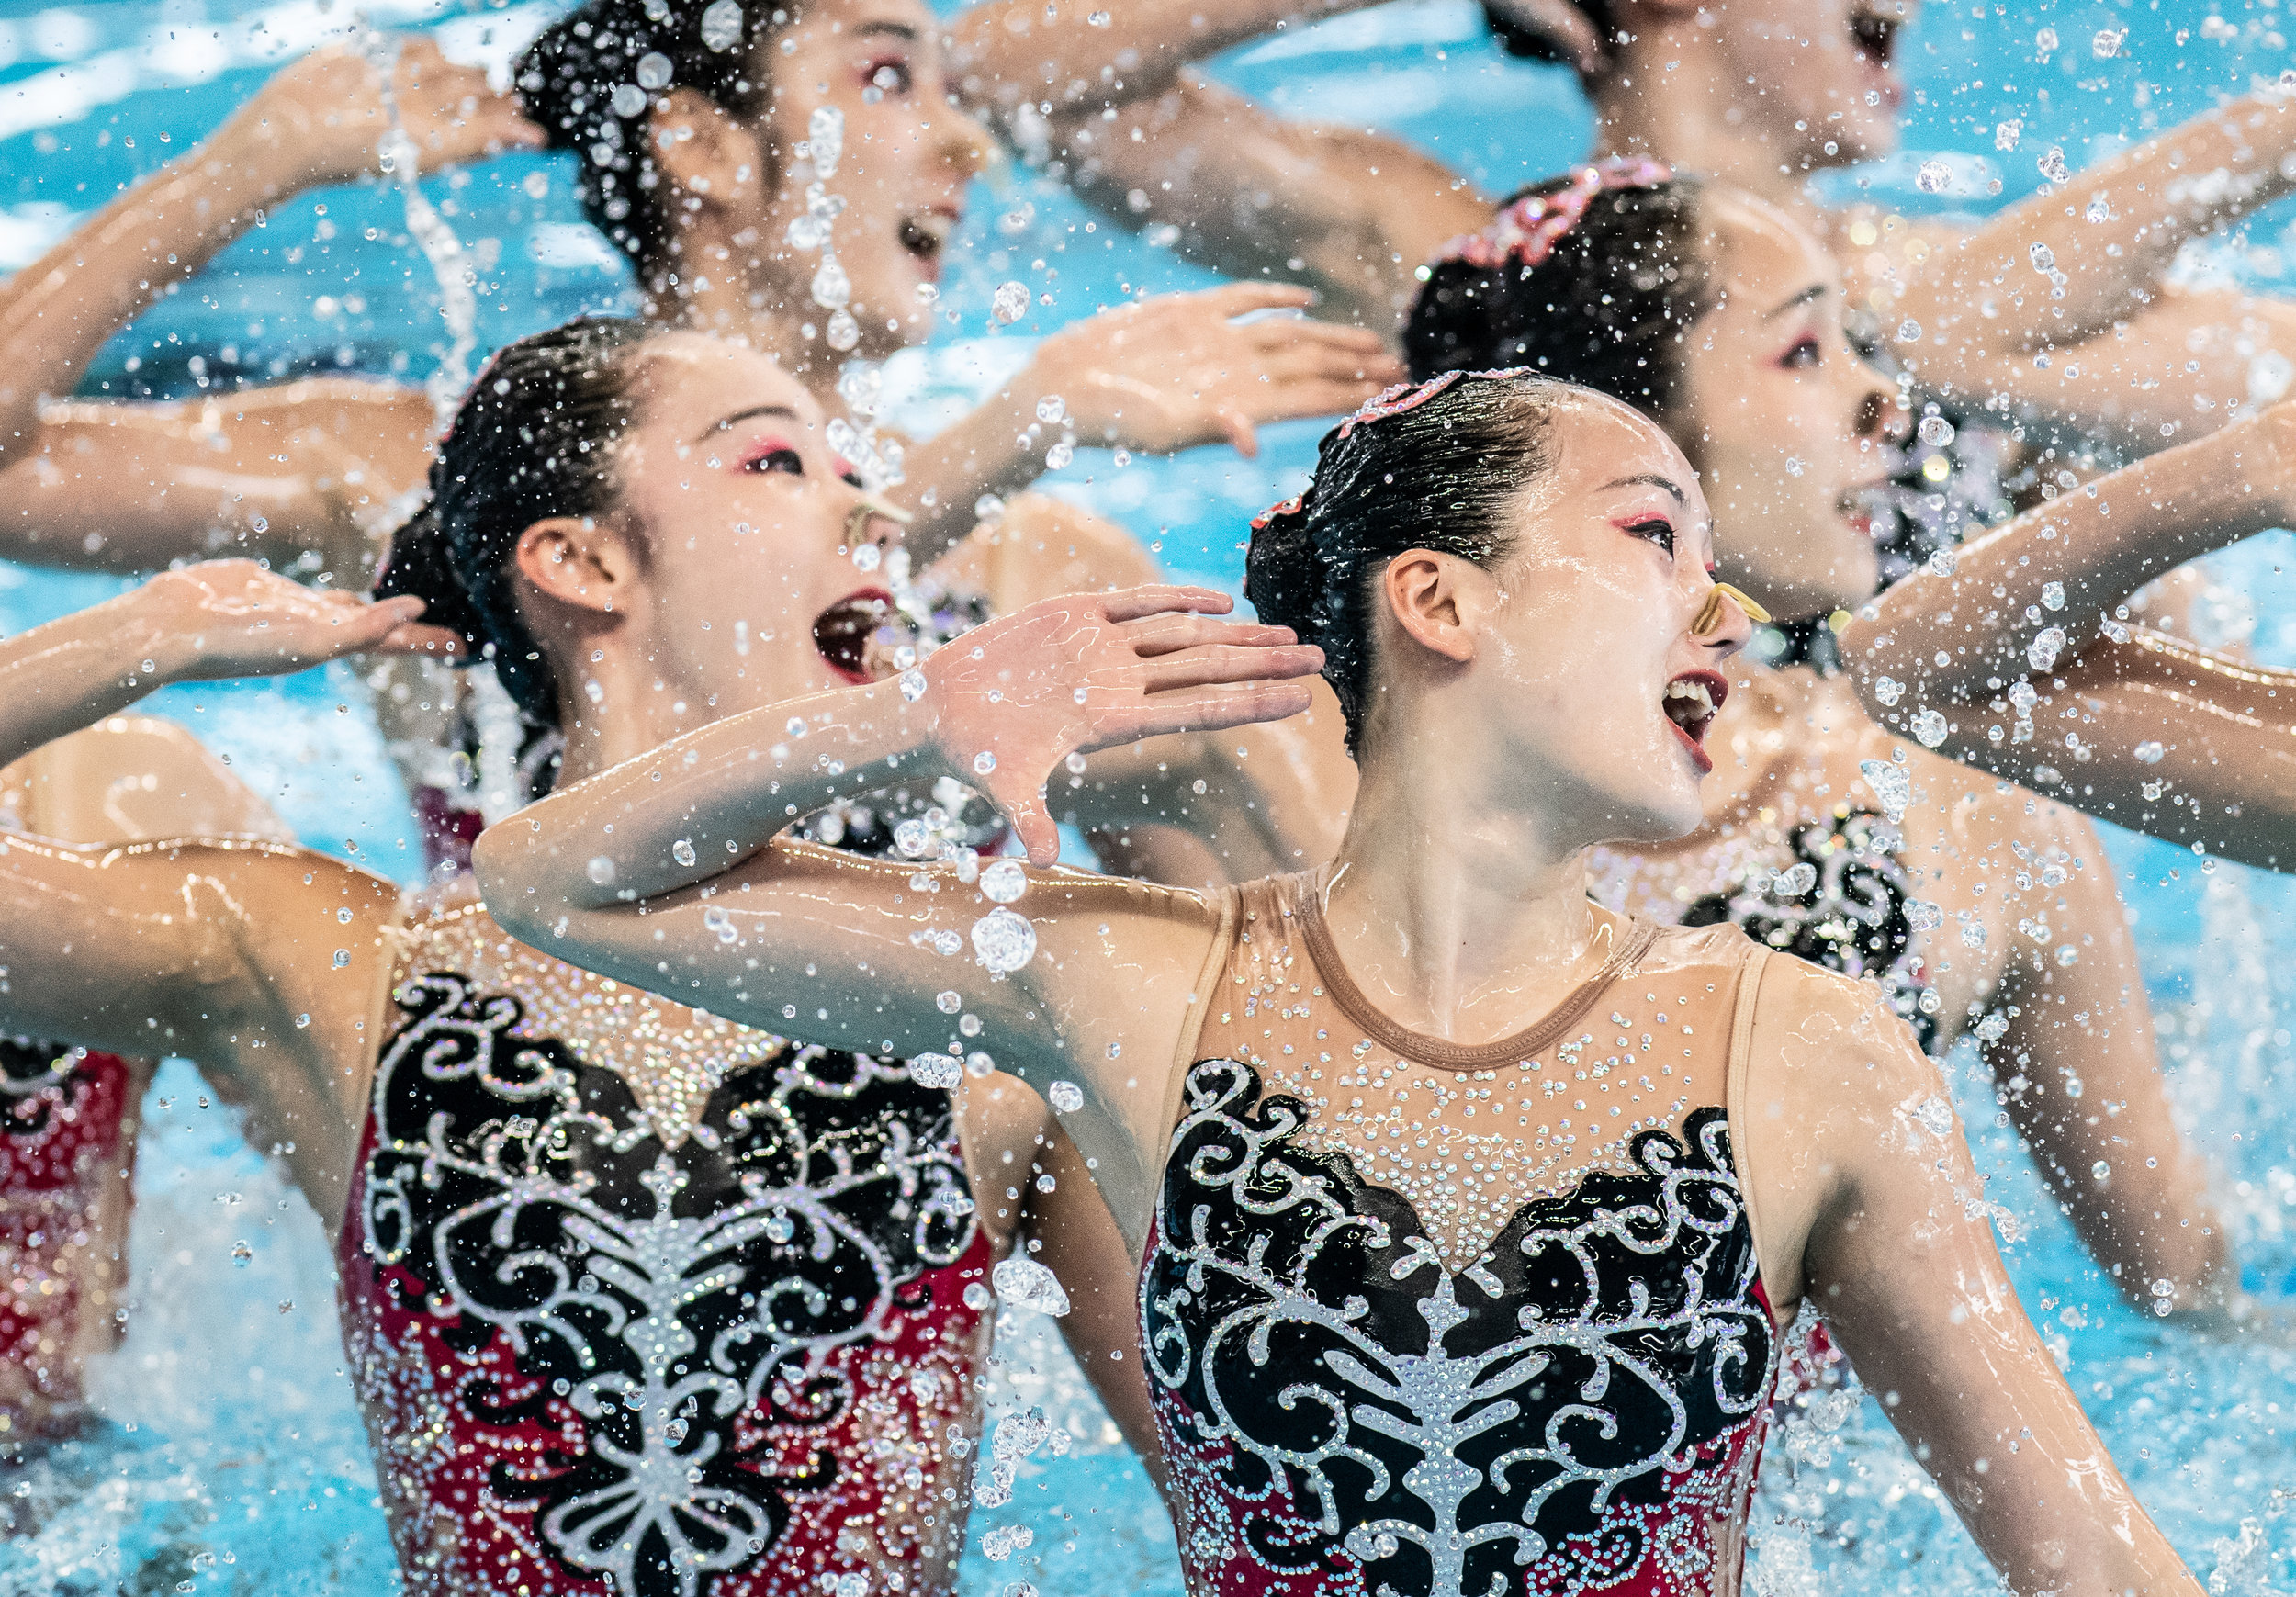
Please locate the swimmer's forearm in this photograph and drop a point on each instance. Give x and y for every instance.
(2068, 565)
(2182, 184)
(950, 473)
(57, 312)
(1003, 51)
(699, 805)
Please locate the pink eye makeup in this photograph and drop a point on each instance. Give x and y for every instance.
(771, 453)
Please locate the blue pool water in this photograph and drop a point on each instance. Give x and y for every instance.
(232, 1459)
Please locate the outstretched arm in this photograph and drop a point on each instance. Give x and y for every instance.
(1158, 375)
(1870, 1205)
(662, 871)
(2044, 586)
(2078, 271)
(227, 618)
(318, 122)
(1148, 141)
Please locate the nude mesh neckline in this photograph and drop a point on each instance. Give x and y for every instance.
(1420, 1048)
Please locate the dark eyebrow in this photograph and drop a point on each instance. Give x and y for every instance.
(900, 30)
(1647, 479)
(1815, 291)
(723, 422)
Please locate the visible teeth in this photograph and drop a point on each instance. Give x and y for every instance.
(1701, 700)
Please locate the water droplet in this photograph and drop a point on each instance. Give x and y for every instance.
(1075, 763)
(794, 726)
(628, 100)
(1059, 455)
(938, 1071)
(983, 762)
(1025, 1284)
(1929, 727)
(2107, 44)
(779, 1227)
(2099, 210)
(924, 1385)
(2023, 698)
(1936, 1116)
(1909, 332)
(825, 135)
(342, 958)
(1004, 882)
(2041, 653)
(977, 1297)
(844, 332)
(2053, 167)
(1050, 409)
(2007, 134)
(1933, 177)
(1793, 466)
(2044, 258)
(851, 1585)
(988, 508)
(1890, 785)
(1936, 432)
(1010, 302)
(1003, 941)
(1923, 916)
(831, 287)
(913, 838)
(1942, 561)
(654, 71)
(1888, 689)
(721, 25)
(1065, 1096)
(969, 1025)
(302, 1021)
(2150, 754)
(868, 556)
(979, 1065)
(2052, 596)
(1795, 880)
(681, 852)
(242, 1254)
(2045, 40)
(2101, 1171)
(344, 915)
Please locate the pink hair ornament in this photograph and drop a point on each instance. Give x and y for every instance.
(1526, 231)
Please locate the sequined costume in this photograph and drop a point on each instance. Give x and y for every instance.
(1430, 1320)
(640, 1300)
(1830, 892)
(63, 1119)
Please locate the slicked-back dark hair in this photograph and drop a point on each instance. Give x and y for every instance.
(533, 439)
(1610, 307)
(1436, 472)
(595, 80)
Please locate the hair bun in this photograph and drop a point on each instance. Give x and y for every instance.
(422, 562)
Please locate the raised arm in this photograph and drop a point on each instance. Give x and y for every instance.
(1158, 375)
(320, 121)
(225, 618)
(2113, 232)
(1149, 143)
(2045, 586)
(1866, 1201)
(660, 872)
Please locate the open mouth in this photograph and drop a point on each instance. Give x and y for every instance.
(847, 634)
(1691, 701)
(925, 233)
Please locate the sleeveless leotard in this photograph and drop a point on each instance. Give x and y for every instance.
(640, 1300)
(1437, 1320)
(62, 1113)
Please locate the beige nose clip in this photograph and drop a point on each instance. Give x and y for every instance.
(1710, 614)
(872, 509)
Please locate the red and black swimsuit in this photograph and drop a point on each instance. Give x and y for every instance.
(701, 1329)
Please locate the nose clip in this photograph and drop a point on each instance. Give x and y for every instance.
(1710, 615)
(872, 509)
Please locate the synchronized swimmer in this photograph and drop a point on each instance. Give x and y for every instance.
(1492, 1059)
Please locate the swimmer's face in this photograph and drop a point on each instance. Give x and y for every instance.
(1818, 77)
(1790, 425)
(738, 516)
(1584, 679)
(908, 155)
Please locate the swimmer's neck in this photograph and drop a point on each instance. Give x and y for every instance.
(1690, 118)
(1458, 912)
(717, 295)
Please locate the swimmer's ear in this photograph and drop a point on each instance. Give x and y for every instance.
(704, 152)
(1426, 597)
(579, 563)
